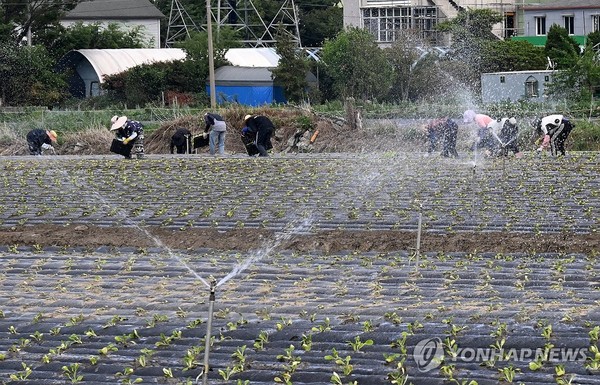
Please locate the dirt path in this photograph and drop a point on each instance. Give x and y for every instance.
(324, 241)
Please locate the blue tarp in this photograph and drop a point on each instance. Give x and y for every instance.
(248, 95)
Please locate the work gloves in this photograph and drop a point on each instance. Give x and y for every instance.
(545, 143)
(46, 146)
(126, 140)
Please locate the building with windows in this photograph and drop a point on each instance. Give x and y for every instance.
(578, 17)
(514, 86)
(385, 18)
(522, 19)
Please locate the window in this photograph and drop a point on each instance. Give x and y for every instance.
(540, 25)
(531, 87)
(509, 25)
(385, 23)
(94, 88)
(502, 79)
(569, 23)
(595, 23)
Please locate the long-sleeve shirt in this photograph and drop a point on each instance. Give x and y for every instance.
(130, 130)
(214, 121)
(550, 122)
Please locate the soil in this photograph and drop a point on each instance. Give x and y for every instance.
(323, 241)
(506, 256)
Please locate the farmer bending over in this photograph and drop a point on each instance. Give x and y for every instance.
(39, 140)
(483, 133)
(216, 127)
(131, 133)
(449, 131)
(181, 140)
(263, 128)
(555, 130)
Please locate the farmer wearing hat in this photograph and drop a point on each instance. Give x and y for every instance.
(39, 140)
(263, 128)
(131, 134)
(482, 121)
(505, 133)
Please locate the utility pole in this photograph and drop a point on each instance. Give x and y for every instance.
(211, 60)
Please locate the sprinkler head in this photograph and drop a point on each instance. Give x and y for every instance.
(213, 286)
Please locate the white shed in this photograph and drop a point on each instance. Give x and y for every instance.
(91, 65)
(515, 85)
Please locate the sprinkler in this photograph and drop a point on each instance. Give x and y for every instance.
(418, 252)
(418, 247)
(211, 302)
(473, 189)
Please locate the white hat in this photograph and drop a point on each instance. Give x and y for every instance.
(469, 116)
(117, 122)
(247, 117)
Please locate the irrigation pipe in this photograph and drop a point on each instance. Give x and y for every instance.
(418, 251)
(211, 303)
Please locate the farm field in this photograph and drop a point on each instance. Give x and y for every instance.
(107, 265)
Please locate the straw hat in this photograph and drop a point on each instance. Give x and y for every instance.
(52, 135)
(117, 122)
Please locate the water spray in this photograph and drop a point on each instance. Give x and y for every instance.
(133, 223)
(211, 303)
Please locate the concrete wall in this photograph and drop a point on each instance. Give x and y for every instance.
(512, 86)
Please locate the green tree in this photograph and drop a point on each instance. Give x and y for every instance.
(410, 60)
(19, 16)
(593, 39)
(512, 55)
(319, 20)
(196, 47)
(471, 31)
(61, 40)
(147, 83)
(291, 70)
(28, 77)
(582, 79)
(561, 48)
(357, 66)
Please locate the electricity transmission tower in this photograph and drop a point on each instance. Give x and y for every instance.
(242, 16)
(180, 24)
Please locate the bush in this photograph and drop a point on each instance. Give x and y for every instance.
(585, 136)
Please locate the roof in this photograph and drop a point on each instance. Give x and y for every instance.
(113, 61)
(531, 72)
(253, 57)
(234, 75)
(561, 4)
(114, 9)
